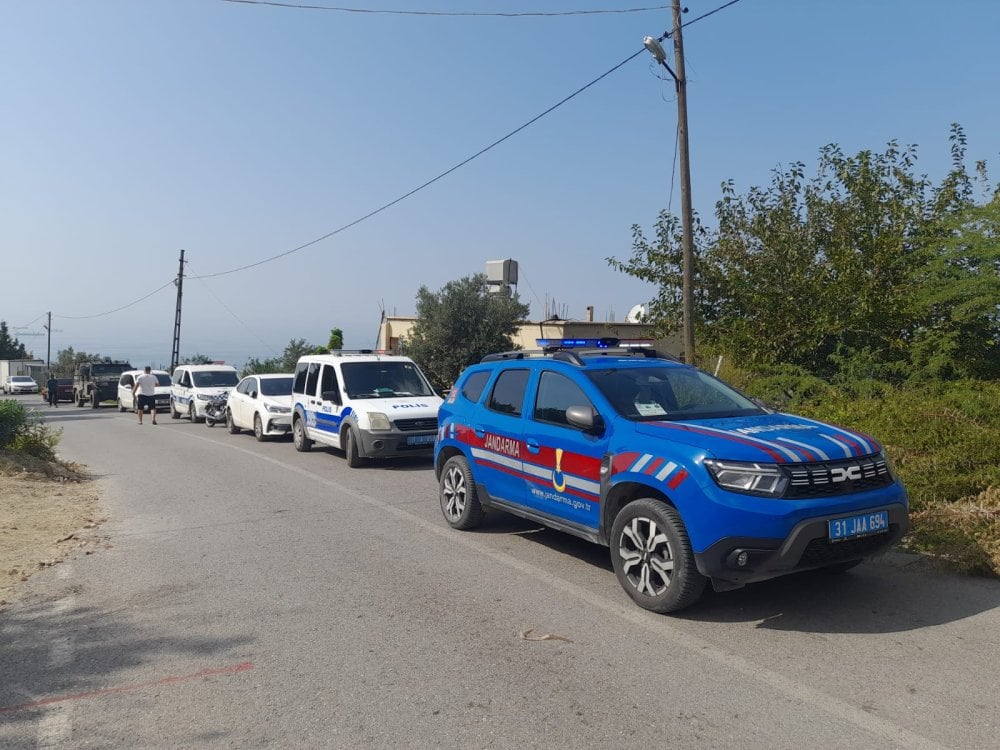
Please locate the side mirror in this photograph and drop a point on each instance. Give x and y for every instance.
(331, 396)
(253, 394)
(586, 418)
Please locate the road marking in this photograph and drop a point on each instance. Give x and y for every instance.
(658, 624)
(233, 669)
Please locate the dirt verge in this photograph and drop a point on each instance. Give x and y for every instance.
(47, 510)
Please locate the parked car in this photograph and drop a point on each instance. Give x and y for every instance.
(192, 386)
(127, 402)
(97, 381)
(64, 389)
(366, 404)
(20, 384)
(683, 477)
(262, 403)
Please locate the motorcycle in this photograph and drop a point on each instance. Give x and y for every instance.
(215, 409)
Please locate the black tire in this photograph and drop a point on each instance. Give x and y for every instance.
(121, 409)
(230, 424)
(457, 493)
(258, 429)
(652, 558)
(352, 453)
(299, 438)
(194, 414)
(78, 397)
(174, 414)
(94, 401)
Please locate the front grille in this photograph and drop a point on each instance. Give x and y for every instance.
(827, 478)
(824, 552)
(426, 424)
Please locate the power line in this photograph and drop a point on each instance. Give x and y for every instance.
(117, 309)
(480, 14)
(237, 317)
(461, 164)
(431, 181)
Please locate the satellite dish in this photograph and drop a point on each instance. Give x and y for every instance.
(636, 314)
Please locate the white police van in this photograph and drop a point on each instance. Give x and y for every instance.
(193, 386)
(366, 404)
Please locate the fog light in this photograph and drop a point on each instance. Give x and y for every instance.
(377, 445)
(743, 558)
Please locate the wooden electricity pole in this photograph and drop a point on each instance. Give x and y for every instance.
(687, 219)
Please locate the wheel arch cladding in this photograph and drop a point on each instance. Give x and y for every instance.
(621, 495)
(442, 458)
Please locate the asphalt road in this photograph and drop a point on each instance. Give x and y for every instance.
(252, 596)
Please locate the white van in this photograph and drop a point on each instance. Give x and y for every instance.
(194, 385)
(365, 404)
(127, 402)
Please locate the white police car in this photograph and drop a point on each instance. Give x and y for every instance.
(193, 386)
(366, 404)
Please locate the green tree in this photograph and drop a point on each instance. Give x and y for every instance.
(864, 270)
(197, 359)
(459, 325)
(10, 347)
(296, 348)
(67, 359)
(336, 339)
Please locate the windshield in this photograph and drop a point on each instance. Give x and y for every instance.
(650, 394)
(214, 378)
(108, 369)
(162, 379)
(21, 379)
(384, 380)
(276, 386)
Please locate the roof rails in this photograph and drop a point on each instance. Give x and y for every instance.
(342, 352)
(574, 355)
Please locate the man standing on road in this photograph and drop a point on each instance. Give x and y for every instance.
(52, 389)
(146, 384)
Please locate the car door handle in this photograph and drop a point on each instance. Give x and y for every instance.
(533, 446)
(479, 430)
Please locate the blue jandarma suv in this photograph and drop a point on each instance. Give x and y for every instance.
(683, 477)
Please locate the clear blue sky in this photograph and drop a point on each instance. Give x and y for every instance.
(133, 129)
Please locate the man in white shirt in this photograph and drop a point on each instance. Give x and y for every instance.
(145, 385)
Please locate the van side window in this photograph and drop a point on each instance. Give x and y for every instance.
(329, 380)
(312, 378)
(300, 377)
(556, 393)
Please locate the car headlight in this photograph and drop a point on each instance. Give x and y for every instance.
(749, 478)
(275, 409)
(203, 397)
(379, 421)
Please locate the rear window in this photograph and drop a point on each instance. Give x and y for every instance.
(473, 386)
(508, 393)
(214, 378)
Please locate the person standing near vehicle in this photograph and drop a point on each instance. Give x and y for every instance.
(145, 384)
(52, 390)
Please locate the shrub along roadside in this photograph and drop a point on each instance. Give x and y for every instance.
(943, 439)
(24, 432)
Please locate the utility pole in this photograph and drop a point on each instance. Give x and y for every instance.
(48, 355)
(687, 218)
(175, 353)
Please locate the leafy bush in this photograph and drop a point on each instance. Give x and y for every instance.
(13, 417)
(25, 432)
(943, 440)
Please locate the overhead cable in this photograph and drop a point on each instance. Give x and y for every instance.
(452, 13)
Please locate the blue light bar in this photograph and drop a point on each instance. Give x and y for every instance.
(603, 343)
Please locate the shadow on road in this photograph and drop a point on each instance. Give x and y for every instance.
(894, 593)
(103, 643)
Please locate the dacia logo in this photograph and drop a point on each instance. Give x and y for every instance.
(845, 473)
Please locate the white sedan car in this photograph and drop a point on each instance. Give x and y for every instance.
(25, 384)
(262, 403)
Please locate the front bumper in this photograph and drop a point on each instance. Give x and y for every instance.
(806, 547)
(24, 389)
(276, 424)
(396, 443)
